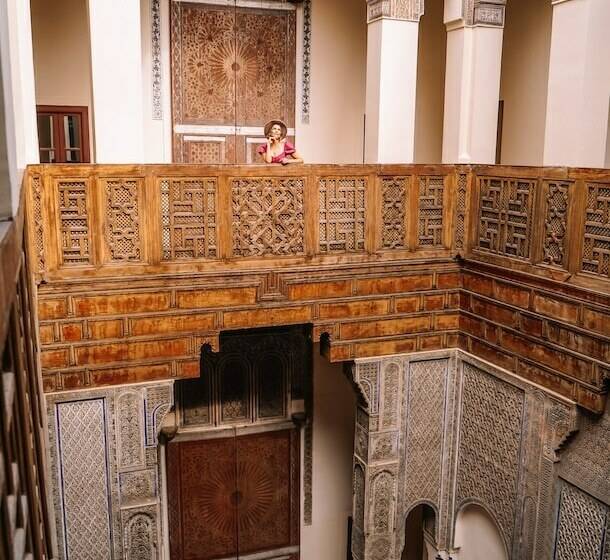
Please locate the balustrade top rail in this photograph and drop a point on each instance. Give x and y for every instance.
(116, 220)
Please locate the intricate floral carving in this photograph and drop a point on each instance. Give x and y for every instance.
(130, 415)
(430, 228)
(137, 486)
(157, 72)
(122, 219)
(394, 195)
(342, 210)
(384, 492)
(306, 72)
(74, 222)
(391, 395)
(140, 538)
(385, 446)
(367, 376)
(407, 10)
(556, 222)
(188, 217)
(505, 216)
(268, 216)
(484, 12)
(596, 256)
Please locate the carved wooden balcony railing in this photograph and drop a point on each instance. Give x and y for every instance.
(24, 524)
(137, 266)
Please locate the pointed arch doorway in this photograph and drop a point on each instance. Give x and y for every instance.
(233, 69)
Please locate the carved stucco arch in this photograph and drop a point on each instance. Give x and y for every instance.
(492, 516)
(405, 515)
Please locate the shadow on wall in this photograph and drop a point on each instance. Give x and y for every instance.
(477, 537)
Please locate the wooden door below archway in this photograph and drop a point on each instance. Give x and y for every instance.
(233, 497)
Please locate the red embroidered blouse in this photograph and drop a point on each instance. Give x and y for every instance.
(289, 149)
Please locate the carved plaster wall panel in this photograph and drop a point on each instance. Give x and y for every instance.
(583, 526)
(426, 395)
(468, 433)
(484, 12)
(490, 446)
(105, 469)
(406, 10)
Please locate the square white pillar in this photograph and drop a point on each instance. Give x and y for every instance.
(472, 94)
(116, 70)
(577, 123)
(391, 85)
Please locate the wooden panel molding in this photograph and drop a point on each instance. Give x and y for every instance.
(138, 266)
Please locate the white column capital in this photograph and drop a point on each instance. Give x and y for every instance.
(474, 13)
(405, 10)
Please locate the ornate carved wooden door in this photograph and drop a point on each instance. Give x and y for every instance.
(233, 69)
(233, 497)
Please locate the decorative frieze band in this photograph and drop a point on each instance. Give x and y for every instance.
(484, 12)
(405, 10)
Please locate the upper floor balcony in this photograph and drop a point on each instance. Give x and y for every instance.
(139, 266)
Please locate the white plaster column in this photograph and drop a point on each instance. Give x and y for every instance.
(19, 96)
(579, 84)
(116, 71)
(391, 80)
(472, 80)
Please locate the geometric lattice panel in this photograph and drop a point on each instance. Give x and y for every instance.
(73, 222)
(430, 228)
(122, 219)
(342, 210)
(81, 435)
(394, 200)
(505, 216)
(555, 222)
(268, 216)
(596, 255)
(188, 218)
(582, 526)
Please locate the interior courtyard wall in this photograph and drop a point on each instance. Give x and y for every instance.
(333, 444)
(62, 58)
(524, 80)
(105, 470)
(335, 133)
(430, 84)
(449, 430)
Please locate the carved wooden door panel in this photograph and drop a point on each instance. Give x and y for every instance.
(232, 497)
(233, 69)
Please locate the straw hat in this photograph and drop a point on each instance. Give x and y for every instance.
(270, 124)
